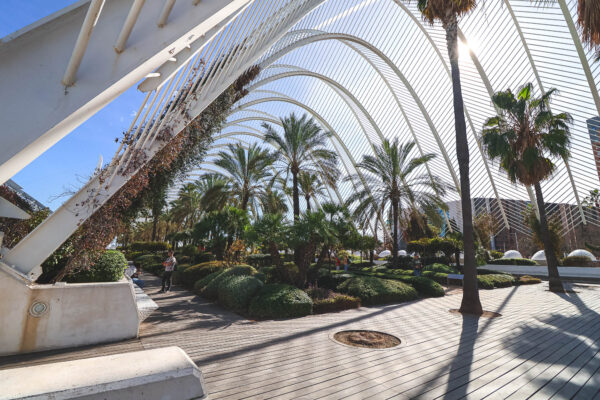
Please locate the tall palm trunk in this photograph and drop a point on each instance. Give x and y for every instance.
(549, 251)
(395, 206)
(307, 203)
(470, 302)
(295, 193)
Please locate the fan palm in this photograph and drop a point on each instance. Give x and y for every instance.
(272, 201)
(214, 192)
(394, 180)
(247, 171)
(302, 148)
(310, 186)
(525, 136)
(448, 12)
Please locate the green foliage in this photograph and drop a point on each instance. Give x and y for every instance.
(577, 261)
(155, 268)
(211, 290)
(148, 259)
(512, 261)
(201, 283)
(197, 272)
(495, 281)
(189, 250)
(439, 277)
(528, 280)
(554, 229)
(331, 281)
(150, 247)
(109, 267)
(280, 301)
(204, 257)
(484, 271)
(440, 268)
(430, 247)
(259, 260)
(235, 292)
(496, 254)
(334, 303)
(373, 290)
(425, 286)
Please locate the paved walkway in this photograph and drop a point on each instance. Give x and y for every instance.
(544, 344)
(542, 271)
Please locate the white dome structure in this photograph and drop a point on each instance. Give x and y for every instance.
(539, 256)
(582, 253)
(385, 253)
(512, 254)
(402, 253)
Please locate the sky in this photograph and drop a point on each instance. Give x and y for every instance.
(69, 163)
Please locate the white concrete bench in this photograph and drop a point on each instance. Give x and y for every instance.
(166, 373)
(455, 277)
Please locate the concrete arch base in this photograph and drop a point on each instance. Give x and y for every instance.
(43, 317)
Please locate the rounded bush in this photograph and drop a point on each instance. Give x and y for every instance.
(528, 280)
(196, 272)
(148, 259)
(425, 286)
(200, 284)
(576, 261)
(443, 268)
(495, 281)
(108, 268)
(331, 281)
(280, 301)
(211, 290)
(439, 277)
(373, 290)
(336, 302)
(235, 292)
(512, 261)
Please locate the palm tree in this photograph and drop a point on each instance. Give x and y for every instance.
(247, 171)
(448, 12)
(213, 191)
(394, 180)
(186, 208)
(524, 137)
(302, 148)
(272, 201)
(310, 186)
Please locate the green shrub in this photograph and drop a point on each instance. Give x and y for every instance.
(280, 301)
(496, 254)
(259, 260)
(439, 277)
(440, 268)
(148, 259)
(331, 281)
(211, 290)
(528, 280)
(150, 247)
(336, 302)
(235, 292)
(403, 272)
(201, 284)
(484, 271)
(133, 255)
(197, 272)
(189, 250)
(577, 261)
(109, 267)
(177, 276)
(495, 281)
(512, 261)
(425, 286)
(373, 290)
(270, 274)
(204, 257)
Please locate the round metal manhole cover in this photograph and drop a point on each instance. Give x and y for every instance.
(367, 339)
(38, 309)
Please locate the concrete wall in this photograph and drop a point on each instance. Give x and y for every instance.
(41, 317)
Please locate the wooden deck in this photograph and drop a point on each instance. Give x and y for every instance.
(545, 345)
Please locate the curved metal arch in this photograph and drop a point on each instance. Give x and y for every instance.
(334, 134)
(342, 36)
(398, 73)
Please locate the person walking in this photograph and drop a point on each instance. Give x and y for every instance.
(418, 265)
(169, 265)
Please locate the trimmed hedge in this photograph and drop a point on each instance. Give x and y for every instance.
(443, 268)
(336, 302)
(108, 268)
(197, 272)
(280, 301)
(528, 280)
(495, 281)
(259, 260)
(332, 281)
(373, 290)
(425, 286)
(148, 259)
(211, 290)
(512, 261)
(200, 284)
(484, 271)
(576, 261)
(235, 292)
(439, 277)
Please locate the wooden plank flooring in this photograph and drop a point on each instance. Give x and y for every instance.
(544, 346)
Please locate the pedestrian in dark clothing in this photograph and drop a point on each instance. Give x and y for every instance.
(169, 265)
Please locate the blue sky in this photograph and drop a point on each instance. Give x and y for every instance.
(68, 164)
